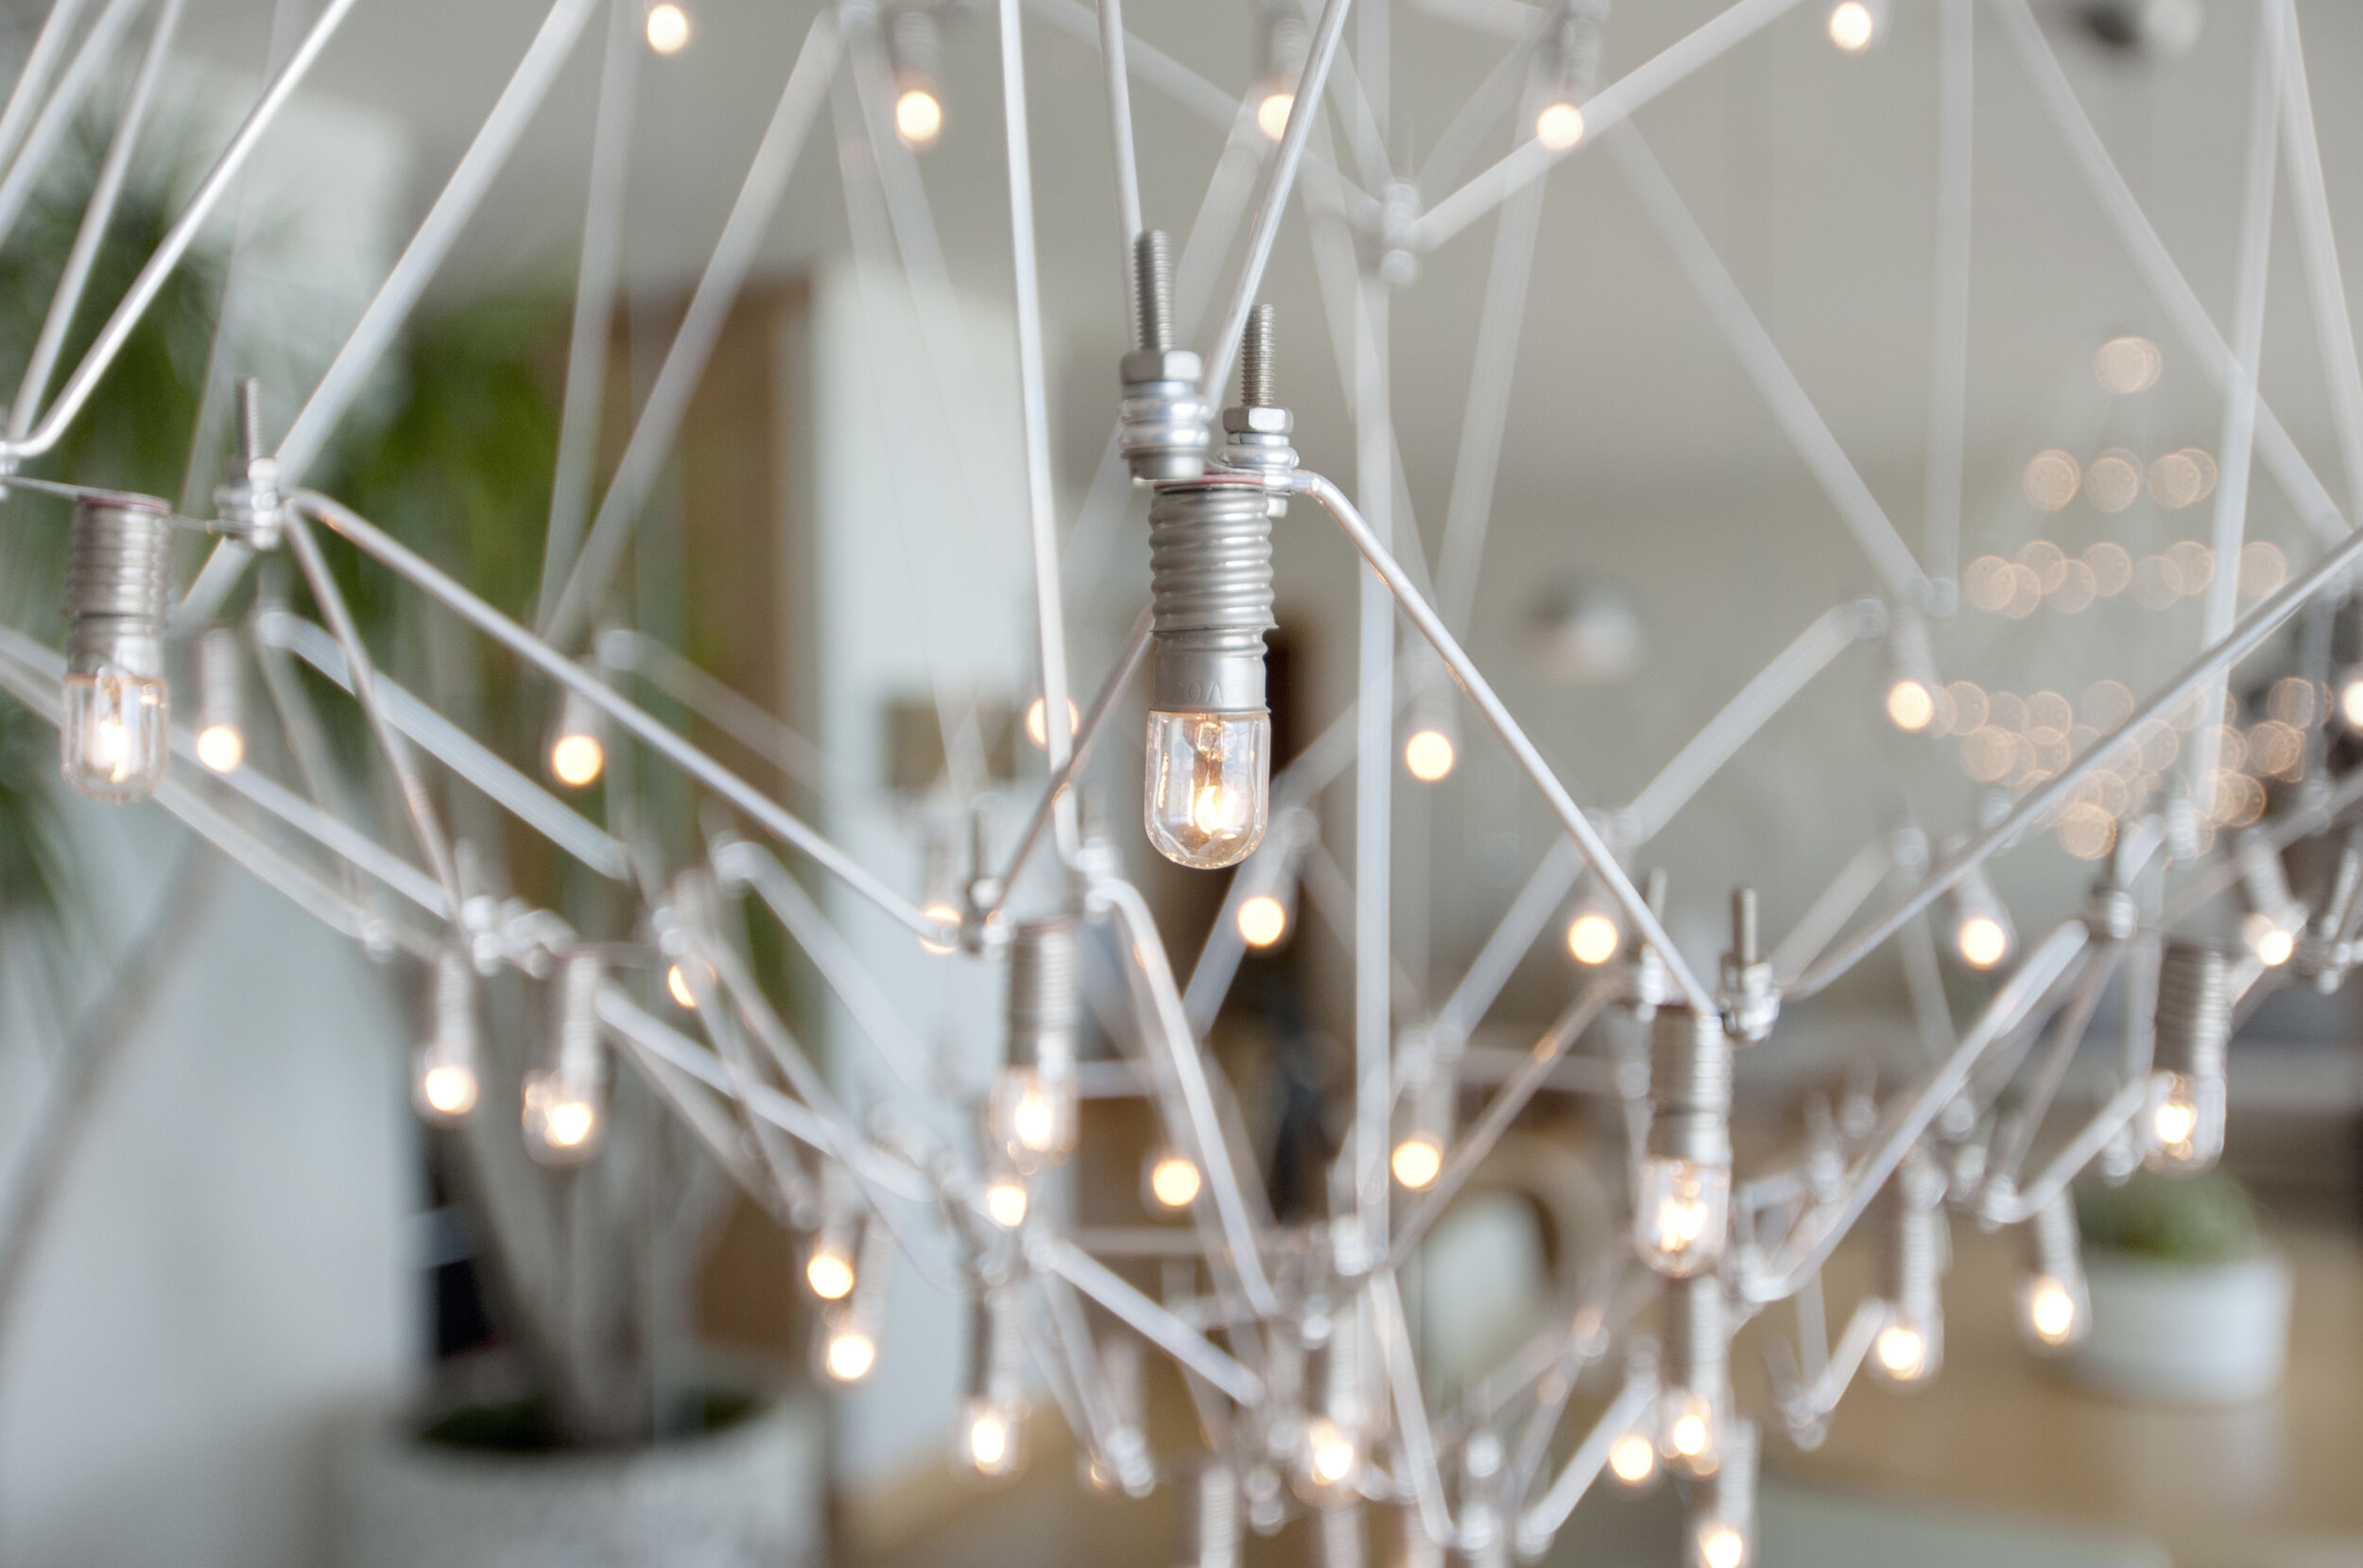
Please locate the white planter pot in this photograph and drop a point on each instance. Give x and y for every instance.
(749, 1497)
(2182, 1333)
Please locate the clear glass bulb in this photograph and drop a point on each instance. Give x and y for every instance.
(1033, 1116)
(1721, 1544)
(577, 759)
(1174, 1179)
(847, 1354)
(2351, 698)
(829, 1268)
(1271, 114)
(561, 1119)
(1592, 938)
(1688, 1437)
(1209, 789)
(1428, 755)
(2052, 1312)
(221, 748)
(1263, 921)
(2266, 938)
(1328, 1452)
(1006, 1202)
(1853, 25)
(1633, 1459)
(1559, 127)
(918, 120)
(1417, 1160)
(115, 736)
(1680, 1210)
(443, 1087)
(668, 29)
(1909, 1348)
(1911, 706)
(990, 1434)
(2185, 1119)
(1982, 941)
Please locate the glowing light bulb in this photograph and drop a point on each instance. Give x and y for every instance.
(2351, 699)
(1982, 940)
(2051, 1312)
(668, 29)
(1680, 1211)
(1429, 755)
(677, 986)
(1593, 938)
(918, 120)
(1720, 1545)
(578, 760)
(1559, 127)
(561, 1120)
(1263, 921)
(2268, 941)
(1633, 1459)
(2174, 1121)
(1174, 1180)
(1853, 27)
(1006, 1202)
(448, 1090)
(1911, 706)
(942, 914)
(1209, 790)
(1038, 732)
(221, 748)
(116, 736)
(829, 1270)
(1901, 1351)
(989, 1438)
(2186, 1114)
(1271, 114)
(1328, 1452)
(1417, 1160)
(1690, 1432)
(1033, 1115)
(849, 1355)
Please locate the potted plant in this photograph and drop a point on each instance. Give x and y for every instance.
(2189, 1306)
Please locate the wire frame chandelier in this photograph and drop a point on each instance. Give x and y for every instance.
(1292, 1340)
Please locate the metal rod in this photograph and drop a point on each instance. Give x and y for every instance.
(2079, 1151)
(752, 727)
(1374, 768)
(1856, 881)
(1128, 661)
(1540, 1522)
(24, 98)
(1468, 514)
(2334, 330)
(726, 271)
(1403, 1382)
(32, 163)
(1948, 369)
(1576, 825)
(774, 818)
(1156, 1324)
(1120, 126)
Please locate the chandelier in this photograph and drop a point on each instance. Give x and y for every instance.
(1294, 1339)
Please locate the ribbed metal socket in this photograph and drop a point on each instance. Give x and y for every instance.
(1287, 44)
(1340, 1535)
(1209, 595)
(1729, 1494)
(2054, 1245)
(1043, 1001)
(578, 1020)
(1698, 1339)
(454, 1006)
(914, 42)
(2194, 1009)
(220, 679)
(118, 586)
(1210, 1519)
(1690, 1084)
(996, 1366)
(1908, 1232)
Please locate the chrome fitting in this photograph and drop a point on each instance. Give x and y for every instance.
(1210, 595)
(2195, 996)
(996, 1365)
(1698, 1339)
(1209, 1520)
(1043, 1006)
(249, 505)
(118, 586)
(1647, 985)
(1163, 430)
(2112, 912)
(1690, 1085)
(1750, 1003)
(1908, 1232)
(1257, 430)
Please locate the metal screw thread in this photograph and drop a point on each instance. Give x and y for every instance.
(454, 1009)
(1730, 1492)
(1908, 1233)
(1744, 933)
(2054, 1245)
(579, 1019)
(996, 1369)
(866, 1307)
(914, 42)
(2194, 1009)
(118, 586)
(1341, 1369)
(1210, 1523)
(218, 683)
(250, 447)
(1698, 1339)
(1653, 891)
(1340, 1536)
(1288, 45)
(1042, 996)
(1209, 595)
(1152, 291)
(1414, 1547)
(1257, 382)
(1690, 1084)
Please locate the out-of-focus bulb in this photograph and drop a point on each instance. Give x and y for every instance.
(1174, 1180)
(2186, 1114)
(918, 120)
(443, 1086)
(1271, 114)
(989, 1438)
(1853, 25)
(668, 29)
(2265, 937)
(220, 705)
(1901, 1351)
(1593, 938)
(221, 748)
(1006, 1202)
(1418, 1160)
(578, 760)
(1681, 1208)
(1328, 1452)
(448, 1089)
(1720, 1545)
(1429, 755)
(2351, 698)
(2051, 1312)
(1911, 707)
(115, 739)
(561, 1120)
(829, 1269)
(677, 984)
(2174, 1120)
(1633, 1459)
(1690, 1432)
(1033, 1114)
(1559, 127)
(1209, 789)
(849, 1355)
(1263, 921)
(1983, 942)
(115, 732)
(942, 914)
(1037, 731)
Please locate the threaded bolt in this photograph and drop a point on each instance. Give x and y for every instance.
(1152, 289)
(1256, 381)
(1744, 935)
(251, 419)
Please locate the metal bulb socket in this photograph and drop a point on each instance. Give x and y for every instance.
(2194, 1009)
(115, 732)
(1697, 1369)
(1908, 1241)
(1044, 999)
(250, 506)
(1208, 785)
(1211, 1520)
